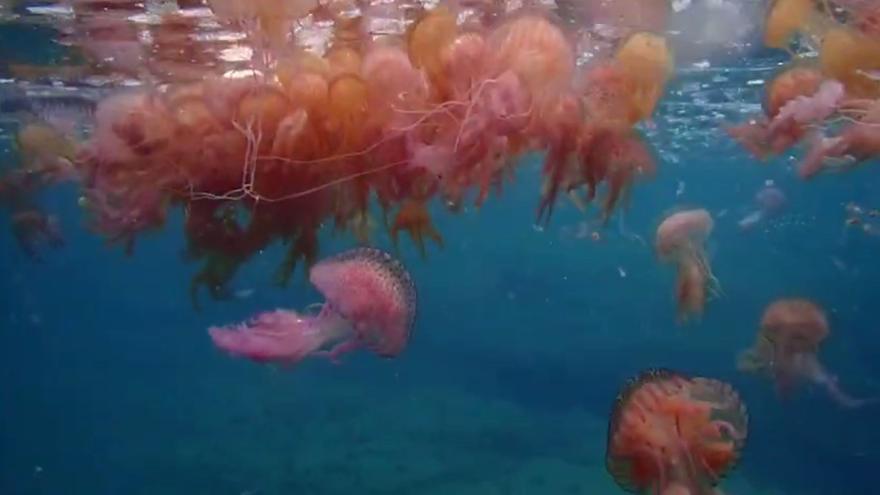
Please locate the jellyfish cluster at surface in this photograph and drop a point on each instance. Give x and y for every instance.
(305, 113)
(830, 102)
(267, 121)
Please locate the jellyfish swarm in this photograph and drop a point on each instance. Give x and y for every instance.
(370, 302)
(786, 348)
(308, 136)
(679, 240)
(769, 202)
(673, 434)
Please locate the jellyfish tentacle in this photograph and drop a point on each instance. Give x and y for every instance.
(338, 350)
(820, 376)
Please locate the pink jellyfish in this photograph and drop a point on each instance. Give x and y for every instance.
(792, 330)
(370, 302)
(770, 201)
(680, 239)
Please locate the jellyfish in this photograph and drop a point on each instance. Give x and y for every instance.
(789, 17)
(796, 97)
(679, 240)
(32, 227)
(851, 57)
(370, 302)
(786, 348)
(857, 143)
(647, 59)
(769, 202)
(670, 434)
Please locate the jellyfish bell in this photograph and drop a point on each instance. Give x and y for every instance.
(683, 232)
(850, 57)
(372, 290)
(787, 18)
(673, 434)
(798, 80)
(463, 62)
(770, 198)
(534, 49)
(370, 302)
(393, 84)
(426, 41)
(647, 59)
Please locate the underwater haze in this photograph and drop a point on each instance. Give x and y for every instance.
(524, 335)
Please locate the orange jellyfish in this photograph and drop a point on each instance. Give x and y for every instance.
(787, 18)
(680, 239)
(647, 60)
(852, 58)
(792, 330)
(670, 434)
(536, 51)
(427, 40)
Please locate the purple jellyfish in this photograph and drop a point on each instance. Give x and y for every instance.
(769, 203)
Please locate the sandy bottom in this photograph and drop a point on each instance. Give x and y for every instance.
(422, 442)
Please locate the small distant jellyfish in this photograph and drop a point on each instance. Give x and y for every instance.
(792, 330)
(32, 227)
(769, 203)
(680, 239)
(670, 434)
(370, 302)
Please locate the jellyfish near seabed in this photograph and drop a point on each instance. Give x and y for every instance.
(370, 302)
(769, 202)
(680, 240)
(670, 434)
(786, 348)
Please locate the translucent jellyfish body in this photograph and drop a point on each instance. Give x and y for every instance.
(680, 240)
(370, 302)
(789, 338)
(672, 434)
(768, 203)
